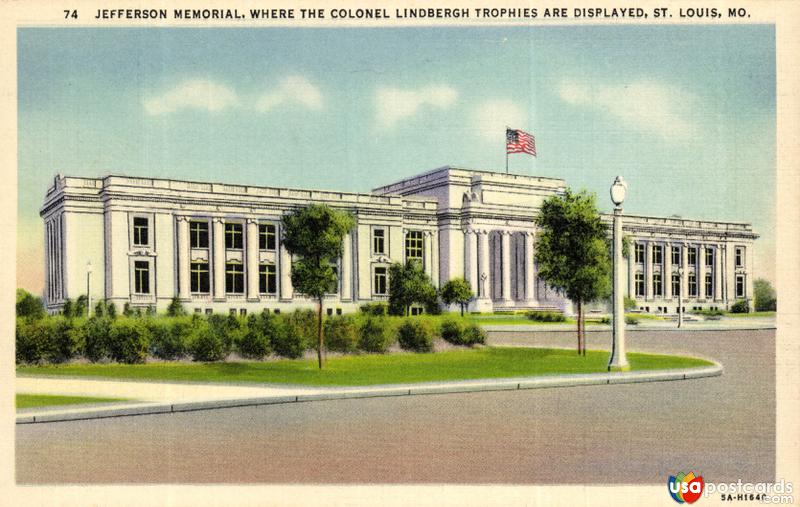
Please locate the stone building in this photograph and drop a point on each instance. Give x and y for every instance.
(218, 247)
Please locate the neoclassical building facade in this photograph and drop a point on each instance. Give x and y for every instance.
(218, 247)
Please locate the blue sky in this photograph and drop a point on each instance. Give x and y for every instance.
(686, 114)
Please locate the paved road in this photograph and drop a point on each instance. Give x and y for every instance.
(636, 433)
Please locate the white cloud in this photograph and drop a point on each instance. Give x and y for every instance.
(491, 118)
(645, 105)
(394, 104)
(192, 94)
(292, 89)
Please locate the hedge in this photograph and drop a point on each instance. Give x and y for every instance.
(135, 339)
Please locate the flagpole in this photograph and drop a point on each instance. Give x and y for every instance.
(506, 149)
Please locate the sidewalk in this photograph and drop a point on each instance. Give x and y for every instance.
(168, 397)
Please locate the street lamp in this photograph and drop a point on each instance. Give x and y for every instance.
(618, 361)
(89, 289)
(680, 296)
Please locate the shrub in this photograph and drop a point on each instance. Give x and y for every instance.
(169, 338)
(740, 306)
(129, 341)
(175, 308)
(374, 308)
(205, 344)
(341, 334)
(226, 330)
(96, 338)
(254, 342)
(298, 331)
(474, 335)
(415, 335)
(29, 305)
(375, 335)
(29, 340)
(629, 303)
(539, 316)
(453, 331)
(631, 320)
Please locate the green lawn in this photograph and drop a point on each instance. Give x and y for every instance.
(49, 400)
(488, 362)
(751, 314)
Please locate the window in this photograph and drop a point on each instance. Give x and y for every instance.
(657, 284)
(198, 234)
(740, 286)
(638, 279)
(140, 232)
(378, 241)
(200, 279)
(658, 256)
(639, 251)
(379, 283)
(266, 237)
(676, 285)
(676, 255)
(708, 286)
(141, 277)
(234, 237)
(267, 279)
(709, 257)
(692, 285)
(234, 278)
(414, 245)
(739, 257)
(692, 256)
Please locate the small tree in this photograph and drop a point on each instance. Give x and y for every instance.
(315, 235)
(573, 253)
(457, 291)
(408, 284)
(765, 300)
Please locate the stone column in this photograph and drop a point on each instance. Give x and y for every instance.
(346, 268)
(285, 267)
(505, 265)
(184, 258)
(648, 271)
(484, 274)
(717, 272)
(435, 257)
(251, 259)
(701, 272)
(685, 265)
(426, 252)
(631, 263)
(666, 272)
(530, 281)
(471, 260)
(218, 227)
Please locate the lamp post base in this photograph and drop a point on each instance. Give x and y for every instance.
(619, 367)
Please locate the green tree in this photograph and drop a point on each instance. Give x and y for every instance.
(408, 284)
(573, 253)
(765, 299)
(314, 234)
(457, 291)
(29, 305)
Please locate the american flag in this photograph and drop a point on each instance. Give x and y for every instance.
(518, 141)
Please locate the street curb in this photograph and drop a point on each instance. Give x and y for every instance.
(466, 386)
